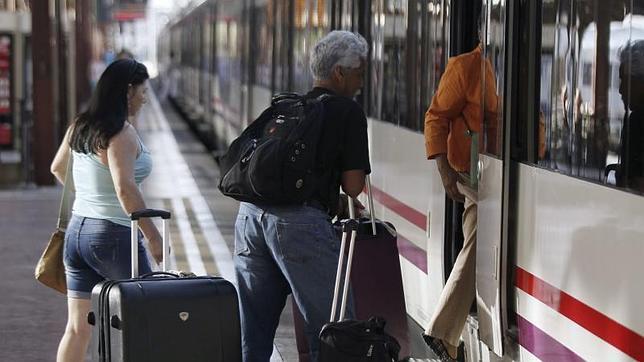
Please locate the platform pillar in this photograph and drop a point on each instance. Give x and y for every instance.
(45, 97)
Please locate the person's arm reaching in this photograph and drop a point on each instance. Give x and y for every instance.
(447, 104)
(121, 155)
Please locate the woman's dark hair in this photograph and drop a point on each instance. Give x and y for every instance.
(108, 106)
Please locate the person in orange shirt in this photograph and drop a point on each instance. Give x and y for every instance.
(453, 117)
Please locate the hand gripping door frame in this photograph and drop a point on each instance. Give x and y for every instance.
(148, 213)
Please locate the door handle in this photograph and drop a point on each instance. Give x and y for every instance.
(496, 262)
(479, 170)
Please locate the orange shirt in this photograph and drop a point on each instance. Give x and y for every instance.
(457, 101)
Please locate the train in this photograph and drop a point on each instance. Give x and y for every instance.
(559, 243)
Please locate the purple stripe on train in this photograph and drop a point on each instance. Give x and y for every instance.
(542, 345)
(413, 253)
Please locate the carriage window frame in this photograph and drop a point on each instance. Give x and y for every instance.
(526, 134)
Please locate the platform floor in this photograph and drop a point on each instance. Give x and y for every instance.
(32, 317)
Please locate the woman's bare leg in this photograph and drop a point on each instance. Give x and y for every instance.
(73, 345)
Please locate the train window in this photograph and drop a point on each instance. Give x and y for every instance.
(281, 58)
(374, 74)
(302, 79)
(206, 43)
(592, 72)
(408, 59)
(428, 56)
(350, 18)
(394, 59)
(223, 60)
(493, 75)
(263, 47)
(213, 37)
(310, 24)
(433, 44)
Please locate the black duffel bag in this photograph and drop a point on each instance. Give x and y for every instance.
(357, 341)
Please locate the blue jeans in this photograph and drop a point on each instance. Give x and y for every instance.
(278, 251)
(95, 250)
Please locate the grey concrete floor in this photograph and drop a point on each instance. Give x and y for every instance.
(32, 317)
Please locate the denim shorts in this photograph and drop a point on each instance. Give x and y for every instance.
(95, 250)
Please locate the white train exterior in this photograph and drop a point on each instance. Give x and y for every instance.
(560, 247)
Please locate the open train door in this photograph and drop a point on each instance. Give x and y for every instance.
(493, 184)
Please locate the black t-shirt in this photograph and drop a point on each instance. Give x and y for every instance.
(343, 146)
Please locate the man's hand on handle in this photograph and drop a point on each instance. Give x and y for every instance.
(449, 177)
(343, 207)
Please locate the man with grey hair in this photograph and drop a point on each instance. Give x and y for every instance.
(294, 249)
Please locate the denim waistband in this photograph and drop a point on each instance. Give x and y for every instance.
(316, 205)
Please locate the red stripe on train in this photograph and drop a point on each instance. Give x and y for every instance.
(621, 337)
(412, 215)
(406, 248)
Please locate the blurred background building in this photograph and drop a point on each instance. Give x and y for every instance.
(51, 55)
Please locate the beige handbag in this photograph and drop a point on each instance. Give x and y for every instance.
(50, 269)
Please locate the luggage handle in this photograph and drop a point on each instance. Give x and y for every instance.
(389, 229)
(352, 226)
(163, 273)
(347, 225)
(148, 213)
(370, 201)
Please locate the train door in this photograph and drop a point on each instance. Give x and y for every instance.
(493, 180)
(462, 24)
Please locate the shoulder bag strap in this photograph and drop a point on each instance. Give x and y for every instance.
(64, 212)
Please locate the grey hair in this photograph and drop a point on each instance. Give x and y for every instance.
(631, 56)
(339, 47)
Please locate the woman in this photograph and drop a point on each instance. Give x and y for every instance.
(109, 164)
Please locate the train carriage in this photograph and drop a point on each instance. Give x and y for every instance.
(559, 238)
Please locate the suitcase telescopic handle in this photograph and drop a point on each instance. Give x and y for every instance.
(370, 201)
(372, 212)
(351, 226)
(148, 213)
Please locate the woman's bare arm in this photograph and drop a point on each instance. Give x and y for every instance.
(59, 164)
(121, 155)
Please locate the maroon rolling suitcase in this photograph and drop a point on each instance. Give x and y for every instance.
(376, 283)
(164, 317)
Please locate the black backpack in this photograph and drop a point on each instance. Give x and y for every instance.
(273, 161)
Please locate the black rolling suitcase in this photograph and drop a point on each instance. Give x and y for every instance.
(164, 317)
(354, 340)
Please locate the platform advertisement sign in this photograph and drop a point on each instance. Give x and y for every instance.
(6, 113)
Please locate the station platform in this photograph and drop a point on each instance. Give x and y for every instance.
(183, 181)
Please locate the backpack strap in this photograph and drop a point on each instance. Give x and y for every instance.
(284, 96)
(324, 96)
